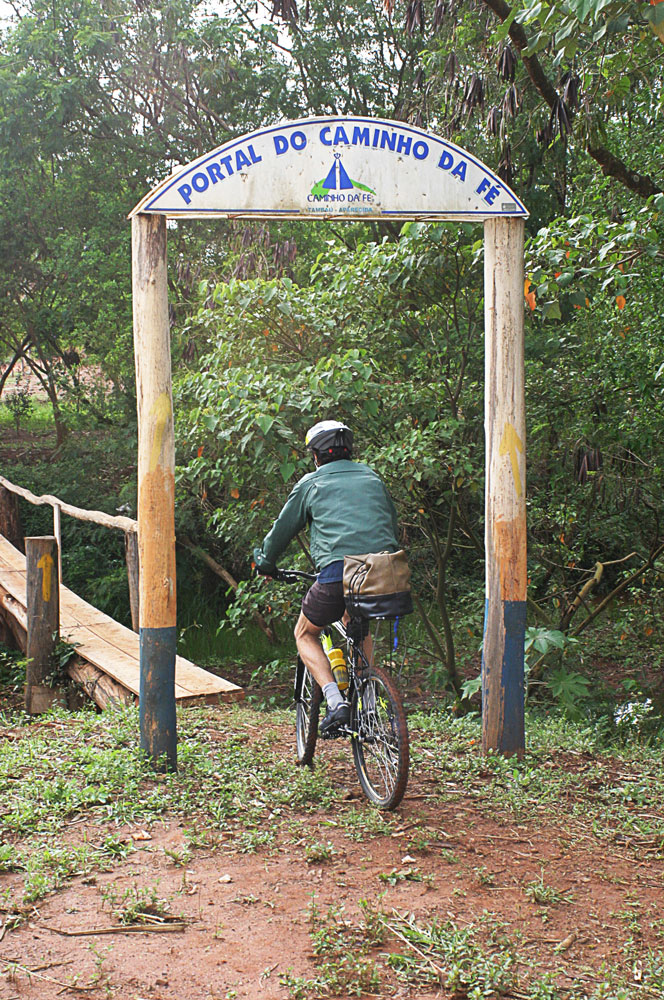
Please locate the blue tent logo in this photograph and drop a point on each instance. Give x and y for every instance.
(337, 180)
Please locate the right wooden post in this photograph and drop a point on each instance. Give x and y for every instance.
(503, 727)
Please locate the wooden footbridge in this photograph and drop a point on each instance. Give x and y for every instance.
(106, 662)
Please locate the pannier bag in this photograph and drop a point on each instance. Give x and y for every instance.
(377, 585)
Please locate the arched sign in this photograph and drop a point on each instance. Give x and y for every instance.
(339, 168)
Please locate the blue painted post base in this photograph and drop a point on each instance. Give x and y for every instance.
(157, 697)
(503, 722)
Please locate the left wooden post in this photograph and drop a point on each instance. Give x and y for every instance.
(43, 612)
(156, 491)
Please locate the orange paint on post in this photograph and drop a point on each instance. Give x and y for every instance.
(156, 542)
(510, 552)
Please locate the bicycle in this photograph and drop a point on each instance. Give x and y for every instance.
(378, 730)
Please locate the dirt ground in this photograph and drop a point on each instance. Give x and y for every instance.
(244, 918)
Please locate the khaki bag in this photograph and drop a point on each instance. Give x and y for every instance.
(377, 585)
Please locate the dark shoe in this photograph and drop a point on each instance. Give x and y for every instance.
(335, 718)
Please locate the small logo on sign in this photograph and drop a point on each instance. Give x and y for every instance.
(342, 185)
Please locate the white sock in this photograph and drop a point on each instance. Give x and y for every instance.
(332, 695)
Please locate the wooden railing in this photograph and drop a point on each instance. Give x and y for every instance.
(124, 524)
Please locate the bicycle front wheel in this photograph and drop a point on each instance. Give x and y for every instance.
(307, 709)
(380, 738)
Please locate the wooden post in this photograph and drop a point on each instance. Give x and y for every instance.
(57, 531)
(43, 609)
(505, 507)
(156, 491)
(131, 558)
(10, 519)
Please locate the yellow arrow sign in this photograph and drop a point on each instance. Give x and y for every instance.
(511, 443)
(45, 564)
(161, 410)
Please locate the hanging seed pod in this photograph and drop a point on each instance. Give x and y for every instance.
(414, 17)
(286, 9)
(560, 118)
(451, 66)
(493, 121)
(571, 84)
(417, 119)
(511, 102)
(507, 63)
(544, 135)
(419, 79)
(439, 12)
(388, 6)
(506, 167)
(474, 93)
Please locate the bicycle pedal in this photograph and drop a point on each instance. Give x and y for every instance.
(335, 734)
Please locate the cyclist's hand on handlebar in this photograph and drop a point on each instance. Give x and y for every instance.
(263, 567)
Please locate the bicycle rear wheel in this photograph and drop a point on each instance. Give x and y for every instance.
(307, 711)
(380, 742)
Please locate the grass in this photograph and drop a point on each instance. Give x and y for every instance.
(567, 767)
(234, 779)
(88, 766)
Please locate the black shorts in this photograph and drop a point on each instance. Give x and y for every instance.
(324, 603)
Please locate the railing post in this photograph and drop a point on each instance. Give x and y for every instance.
(10, 519)
(131, 558)
(505, 507)
(57, 531)
(156, 490)
(43, 609)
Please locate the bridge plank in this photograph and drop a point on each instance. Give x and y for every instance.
(110, 646)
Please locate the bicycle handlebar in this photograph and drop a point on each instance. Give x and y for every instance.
(293, 575)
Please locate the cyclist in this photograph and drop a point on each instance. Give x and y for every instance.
(349, 512)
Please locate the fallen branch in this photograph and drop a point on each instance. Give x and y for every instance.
(169, 927)
(12, 966)
(648, 564)
(226, 576)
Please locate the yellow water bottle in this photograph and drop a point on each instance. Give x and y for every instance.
(337, 662)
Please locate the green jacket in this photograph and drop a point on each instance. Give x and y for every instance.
(349, 512)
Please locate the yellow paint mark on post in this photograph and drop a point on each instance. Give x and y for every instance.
(511, 443)
(161, 411)
(45, 564)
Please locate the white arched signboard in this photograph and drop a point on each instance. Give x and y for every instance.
(341, 168)
(346, 168)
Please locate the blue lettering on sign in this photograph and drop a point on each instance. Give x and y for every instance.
(420, 150)
(298, 140)
(388, 140)
(185, 191)
(447, 160)
(492, 192)
(404, 144)
(325, 136)
(340, 135)
(214, 170)
(360, 136)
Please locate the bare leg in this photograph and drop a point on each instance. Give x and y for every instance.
(367, 642)
(307, 638)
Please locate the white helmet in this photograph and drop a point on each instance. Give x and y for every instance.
(329, 434)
